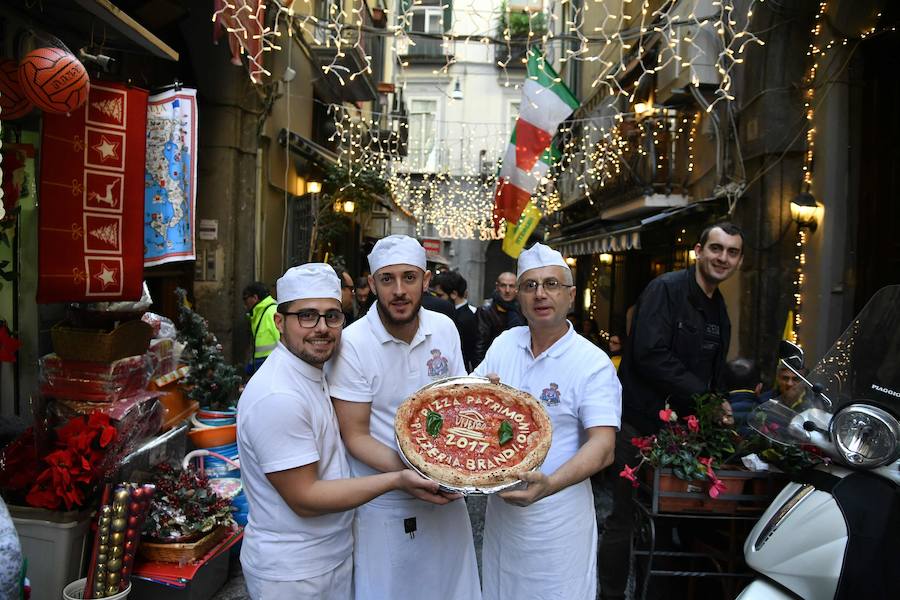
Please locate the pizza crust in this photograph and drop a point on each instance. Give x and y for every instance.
(500, 465)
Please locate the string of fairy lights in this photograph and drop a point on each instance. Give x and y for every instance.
(456, 197)
(817, 52)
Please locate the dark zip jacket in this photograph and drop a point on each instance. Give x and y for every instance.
(662, 357)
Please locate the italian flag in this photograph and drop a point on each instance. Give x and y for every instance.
(546, 102)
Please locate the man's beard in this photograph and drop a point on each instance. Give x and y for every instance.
(385, 313)
(316, 360)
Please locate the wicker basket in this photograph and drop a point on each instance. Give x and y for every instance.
(182, 553)
(95, 345)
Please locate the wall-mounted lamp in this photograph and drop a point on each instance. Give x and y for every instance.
(606, 258)
(571, 261)
(692, 256)
(806, 211)
(313, 187)
(457, 94)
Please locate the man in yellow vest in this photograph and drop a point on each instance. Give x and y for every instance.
(260, 310)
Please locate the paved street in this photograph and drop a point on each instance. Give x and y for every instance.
(235, 590)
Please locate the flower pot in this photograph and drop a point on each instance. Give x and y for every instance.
(671, 494)
(75, 591)
(182, 552)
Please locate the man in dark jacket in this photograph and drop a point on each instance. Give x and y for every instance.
(452, 286)
(677, 347)
(499, 314)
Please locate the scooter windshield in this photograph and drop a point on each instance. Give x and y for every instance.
(863, 365)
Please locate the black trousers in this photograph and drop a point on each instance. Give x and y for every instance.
(614, 554)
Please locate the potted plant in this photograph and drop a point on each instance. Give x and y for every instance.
(186, 516)
(686, 454)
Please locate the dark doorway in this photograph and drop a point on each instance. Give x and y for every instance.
(878, 246)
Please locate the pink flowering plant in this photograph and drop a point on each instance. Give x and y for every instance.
(692, 446)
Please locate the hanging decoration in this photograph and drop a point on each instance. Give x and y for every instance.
(9, 344)
(454, 192)
(170, 181)
(54, 80)
(13, 101)
(90, 242)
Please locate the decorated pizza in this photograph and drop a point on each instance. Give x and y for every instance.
(477, 435)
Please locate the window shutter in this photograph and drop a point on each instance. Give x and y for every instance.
(448, 15)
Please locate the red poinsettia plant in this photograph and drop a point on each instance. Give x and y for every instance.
(692, 446)
(69, 470)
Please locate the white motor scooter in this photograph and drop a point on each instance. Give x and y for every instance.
(834, 532)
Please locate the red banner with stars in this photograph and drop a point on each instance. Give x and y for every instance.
(90, 233)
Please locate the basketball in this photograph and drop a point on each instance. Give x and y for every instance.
(54, 80)
(13, 103)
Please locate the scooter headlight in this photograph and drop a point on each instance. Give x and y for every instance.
(865, 436)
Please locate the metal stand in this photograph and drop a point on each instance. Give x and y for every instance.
(719, 550)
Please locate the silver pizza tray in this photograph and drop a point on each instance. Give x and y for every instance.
(466, 490)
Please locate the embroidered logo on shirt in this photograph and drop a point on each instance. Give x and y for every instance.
(438, 366)
(551, 396)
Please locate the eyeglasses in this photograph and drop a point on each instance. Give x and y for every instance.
(344, 286)
(550, 285)
(310, 318)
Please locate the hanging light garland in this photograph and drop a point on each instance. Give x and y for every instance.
(454, 198)
(816, 52)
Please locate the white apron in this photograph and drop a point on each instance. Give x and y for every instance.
(544, 551)
(438, 561)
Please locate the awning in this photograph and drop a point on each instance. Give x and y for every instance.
(306, 149)
(610, 241)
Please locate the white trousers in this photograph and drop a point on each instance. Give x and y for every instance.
(333, 585)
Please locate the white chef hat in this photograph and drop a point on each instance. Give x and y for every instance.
(312, 280)
(396, 250)
(538, 256)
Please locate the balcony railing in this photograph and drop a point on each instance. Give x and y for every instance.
(654, 155)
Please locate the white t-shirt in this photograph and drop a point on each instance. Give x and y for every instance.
(374, 366)
(286, 420)
(573, 379)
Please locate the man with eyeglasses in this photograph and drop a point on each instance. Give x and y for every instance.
(298, 541)
(500, 313)
(540, 540)
(406, 548)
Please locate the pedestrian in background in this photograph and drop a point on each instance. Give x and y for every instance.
(679, 337)
(260, 311)
(452, 286)
(347, 294)
(743, 385)
(497, 315)
(406, 547)
(363, 298)
(298, 542)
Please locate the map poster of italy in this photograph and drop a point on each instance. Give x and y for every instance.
(90, 246)
(171, 177)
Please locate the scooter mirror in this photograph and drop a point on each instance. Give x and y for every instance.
(790, 353)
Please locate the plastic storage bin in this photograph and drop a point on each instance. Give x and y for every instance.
(55, 552)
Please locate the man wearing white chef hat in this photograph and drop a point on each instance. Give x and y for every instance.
(298, 541)
(577, 384)
(407, 546)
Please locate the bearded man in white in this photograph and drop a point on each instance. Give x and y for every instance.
(540, 541)
(405, 548)
(298, 540)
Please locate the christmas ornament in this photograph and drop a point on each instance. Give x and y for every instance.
(54, 80)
